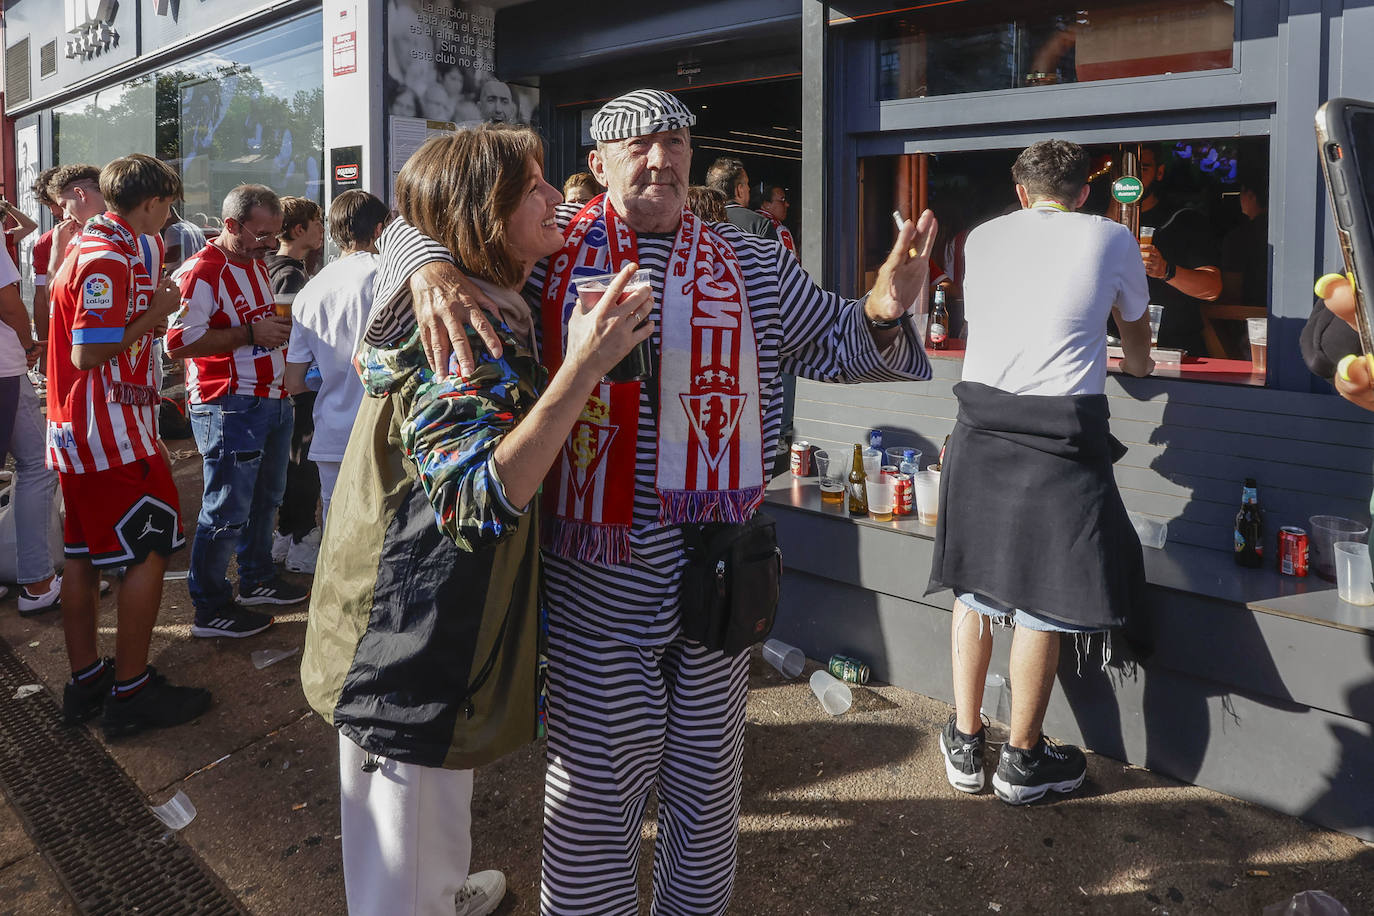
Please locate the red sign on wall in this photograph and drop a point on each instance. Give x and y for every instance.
(345, 55)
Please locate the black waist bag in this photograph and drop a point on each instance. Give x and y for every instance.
(730, 586)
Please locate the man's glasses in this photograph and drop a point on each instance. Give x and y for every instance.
(260, 239)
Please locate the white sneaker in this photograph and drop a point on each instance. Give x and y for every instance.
(31, 604)
(281, 543)
(301, 556)
(481, 894)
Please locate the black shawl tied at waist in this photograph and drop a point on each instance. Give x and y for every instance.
(1029, 510)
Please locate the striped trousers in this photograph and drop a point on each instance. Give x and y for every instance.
(624, 720)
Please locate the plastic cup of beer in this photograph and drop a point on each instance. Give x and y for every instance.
(882, 498)
(1258, 330)
(1147, 235)
(1156, 316)
(281, 304)
(636, 365)
(833, 476)
(926, 489)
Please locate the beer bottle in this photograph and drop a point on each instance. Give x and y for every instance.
(939, 320)
(858, 484)
(1249, 528)
(940, 465)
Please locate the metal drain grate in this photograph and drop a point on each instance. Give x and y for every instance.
(89, 819)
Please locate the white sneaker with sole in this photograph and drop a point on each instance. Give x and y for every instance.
(481, 893)
(31, 604)
(281, 543)
(301, 556)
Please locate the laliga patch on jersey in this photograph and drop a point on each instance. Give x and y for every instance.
(97, 293)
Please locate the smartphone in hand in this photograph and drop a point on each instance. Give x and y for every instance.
(1345, 142)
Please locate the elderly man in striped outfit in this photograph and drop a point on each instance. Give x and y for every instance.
(634, 706)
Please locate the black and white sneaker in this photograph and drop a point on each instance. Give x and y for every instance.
(274, 591)
(963, 757)
(158, 705)
(1024, 776)
(84, 701)
(232, 621)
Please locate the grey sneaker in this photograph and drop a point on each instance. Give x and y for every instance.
(963, 758)
(1024, 776)
(275, 590)
(232, 621)
(481, 894)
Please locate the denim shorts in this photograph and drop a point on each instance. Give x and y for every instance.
(999, 612)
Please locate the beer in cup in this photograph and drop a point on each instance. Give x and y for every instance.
(282, 304)
(635, 366)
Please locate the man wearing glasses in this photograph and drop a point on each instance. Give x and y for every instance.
(234, 344)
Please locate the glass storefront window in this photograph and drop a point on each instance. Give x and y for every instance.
(249, 111)
(979, 47)
(1205, 198)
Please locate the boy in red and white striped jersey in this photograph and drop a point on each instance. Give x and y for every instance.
(122, 505)
(234, 344)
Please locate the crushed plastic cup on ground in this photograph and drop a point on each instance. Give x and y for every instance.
(789, 660)
(997, 707)
(264, 657)
(177, 812)
(834, 694)
(1307, 903)
(28, 690)
(1151, 531)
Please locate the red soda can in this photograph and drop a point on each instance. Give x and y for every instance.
(1292, 551)
(906, 494)
(801, 458)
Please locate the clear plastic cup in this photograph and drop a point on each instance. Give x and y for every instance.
(926, 490)
(1258, 331)
(1151, 531)
(1353, 573)
(833, 474)
(873, 463)
(882, 498)
(894, 455)
(834, 694)
(1326, 531)
(997, 707)
(1156, 316)
(789, 660)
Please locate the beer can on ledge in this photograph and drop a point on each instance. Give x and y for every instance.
(1292, 551)
(848, 669)
(906, 494)
(801, 458)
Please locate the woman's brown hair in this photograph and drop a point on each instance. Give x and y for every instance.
(460, 189)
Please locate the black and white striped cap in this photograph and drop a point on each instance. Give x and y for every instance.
(640, 113)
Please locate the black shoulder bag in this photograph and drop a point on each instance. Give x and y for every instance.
(730, 586)
(733, 575)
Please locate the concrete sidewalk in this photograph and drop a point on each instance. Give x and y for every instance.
(839, 815)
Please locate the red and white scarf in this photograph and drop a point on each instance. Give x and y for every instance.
(710, 419)
(784, 234)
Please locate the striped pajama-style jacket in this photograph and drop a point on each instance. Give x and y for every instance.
(633, 706)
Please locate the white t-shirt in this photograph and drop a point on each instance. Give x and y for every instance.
(1038, 287)
(328, 318)
(12, 361)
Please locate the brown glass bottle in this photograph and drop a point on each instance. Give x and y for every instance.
(858, 484)
(939, 320)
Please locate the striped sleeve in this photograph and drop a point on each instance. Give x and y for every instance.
(402, 250)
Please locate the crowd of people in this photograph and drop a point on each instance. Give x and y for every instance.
(502, 533)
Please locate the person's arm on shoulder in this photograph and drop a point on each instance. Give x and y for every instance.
(483, 444)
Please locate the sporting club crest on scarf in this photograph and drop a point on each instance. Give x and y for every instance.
(710, 427)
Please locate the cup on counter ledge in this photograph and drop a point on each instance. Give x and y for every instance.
(1258, 330)
(873, 463)
(834, 475)
(927, 493)
(882, 498)
(1354, 575)
(1156, 316)
(1326, 531)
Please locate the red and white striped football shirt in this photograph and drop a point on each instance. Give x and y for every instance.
(220, 292)
(103, 417)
